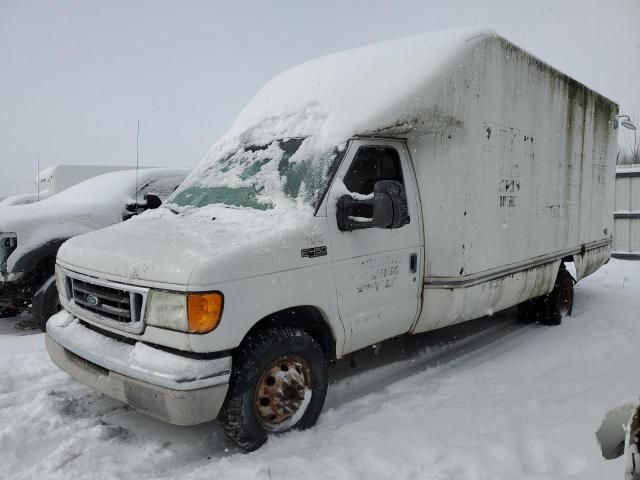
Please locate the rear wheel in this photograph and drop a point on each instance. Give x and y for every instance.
(559, 303)
(278, 383)
(46, 303)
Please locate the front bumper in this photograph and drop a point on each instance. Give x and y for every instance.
(168, 386)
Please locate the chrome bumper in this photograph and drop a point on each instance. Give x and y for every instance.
(168, 386)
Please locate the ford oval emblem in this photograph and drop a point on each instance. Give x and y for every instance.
(92, 300)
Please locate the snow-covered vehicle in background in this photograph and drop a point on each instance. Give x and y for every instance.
(31, 234)
(391, 189)
(21, 199)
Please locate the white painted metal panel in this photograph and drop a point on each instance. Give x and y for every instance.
(627, 212)
(634, 193)
(623, 190)
(634, 236)
(621, 237)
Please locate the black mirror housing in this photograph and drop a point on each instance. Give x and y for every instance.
(388, 207)
(152, 201)
(396, 192)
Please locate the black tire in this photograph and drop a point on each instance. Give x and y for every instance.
(45, 303)
(254, 359)
(559, 303)
(531, 311)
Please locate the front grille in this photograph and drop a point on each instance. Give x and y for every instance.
(117, 305)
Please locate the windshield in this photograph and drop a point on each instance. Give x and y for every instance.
(282, 173)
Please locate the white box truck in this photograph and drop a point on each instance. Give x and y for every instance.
(387, 190)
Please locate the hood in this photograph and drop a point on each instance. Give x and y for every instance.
(196, 249)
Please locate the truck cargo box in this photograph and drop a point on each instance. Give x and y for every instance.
(519, 175)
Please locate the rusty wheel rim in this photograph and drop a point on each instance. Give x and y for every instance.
(283, 393)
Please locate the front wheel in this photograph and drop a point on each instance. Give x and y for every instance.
(45, 303)
(278, 383)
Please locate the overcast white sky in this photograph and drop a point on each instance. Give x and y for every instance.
(75, 76)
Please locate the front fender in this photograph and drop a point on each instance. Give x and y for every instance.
(29, 260)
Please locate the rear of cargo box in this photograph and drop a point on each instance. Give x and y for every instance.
(520, 180)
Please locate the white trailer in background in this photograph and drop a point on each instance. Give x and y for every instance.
(626, 235)
(57, 178)
(390, 189)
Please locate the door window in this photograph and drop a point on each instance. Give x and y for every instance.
(371, 164)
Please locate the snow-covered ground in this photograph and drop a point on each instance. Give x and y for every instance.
(491, 399)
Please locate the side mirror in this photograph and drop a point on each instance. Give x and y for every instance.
(386, 207)
(151, 201)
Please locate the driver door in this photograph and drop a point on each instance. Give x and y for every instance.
(377, 271)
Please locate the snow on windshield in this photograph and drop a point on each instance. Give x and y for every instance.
(281, 174)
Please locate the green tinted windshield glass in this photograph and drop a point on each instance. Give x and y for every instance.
(261, 177)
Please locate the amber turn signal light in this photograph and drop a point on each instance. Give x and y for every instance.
(203, 311)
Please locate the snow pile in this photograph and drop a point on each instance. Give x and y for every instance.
(507, 401)
(23, 199)
(355, 91)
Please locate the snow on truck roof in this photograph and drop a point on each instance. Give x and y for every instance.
(388, 88)
(354, 91)
(281, 147)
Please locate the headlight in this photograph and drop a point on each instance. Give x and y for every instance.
(61, 283)
(193, 312)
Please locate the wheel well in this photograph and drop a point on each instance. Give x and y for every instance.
(39, 264)
(43, 270)
(305, 317)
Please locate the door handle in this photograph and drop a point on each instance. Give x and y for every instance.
(413, 262)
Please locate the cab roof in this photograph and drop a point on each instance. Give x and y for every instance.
(356, 91)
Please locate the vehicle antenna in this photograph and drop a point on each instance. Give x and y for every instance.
(38, 177)
(137, 160)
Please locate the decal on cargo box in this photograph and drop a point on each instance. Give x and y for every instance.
(509, 187)
(314, 252)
